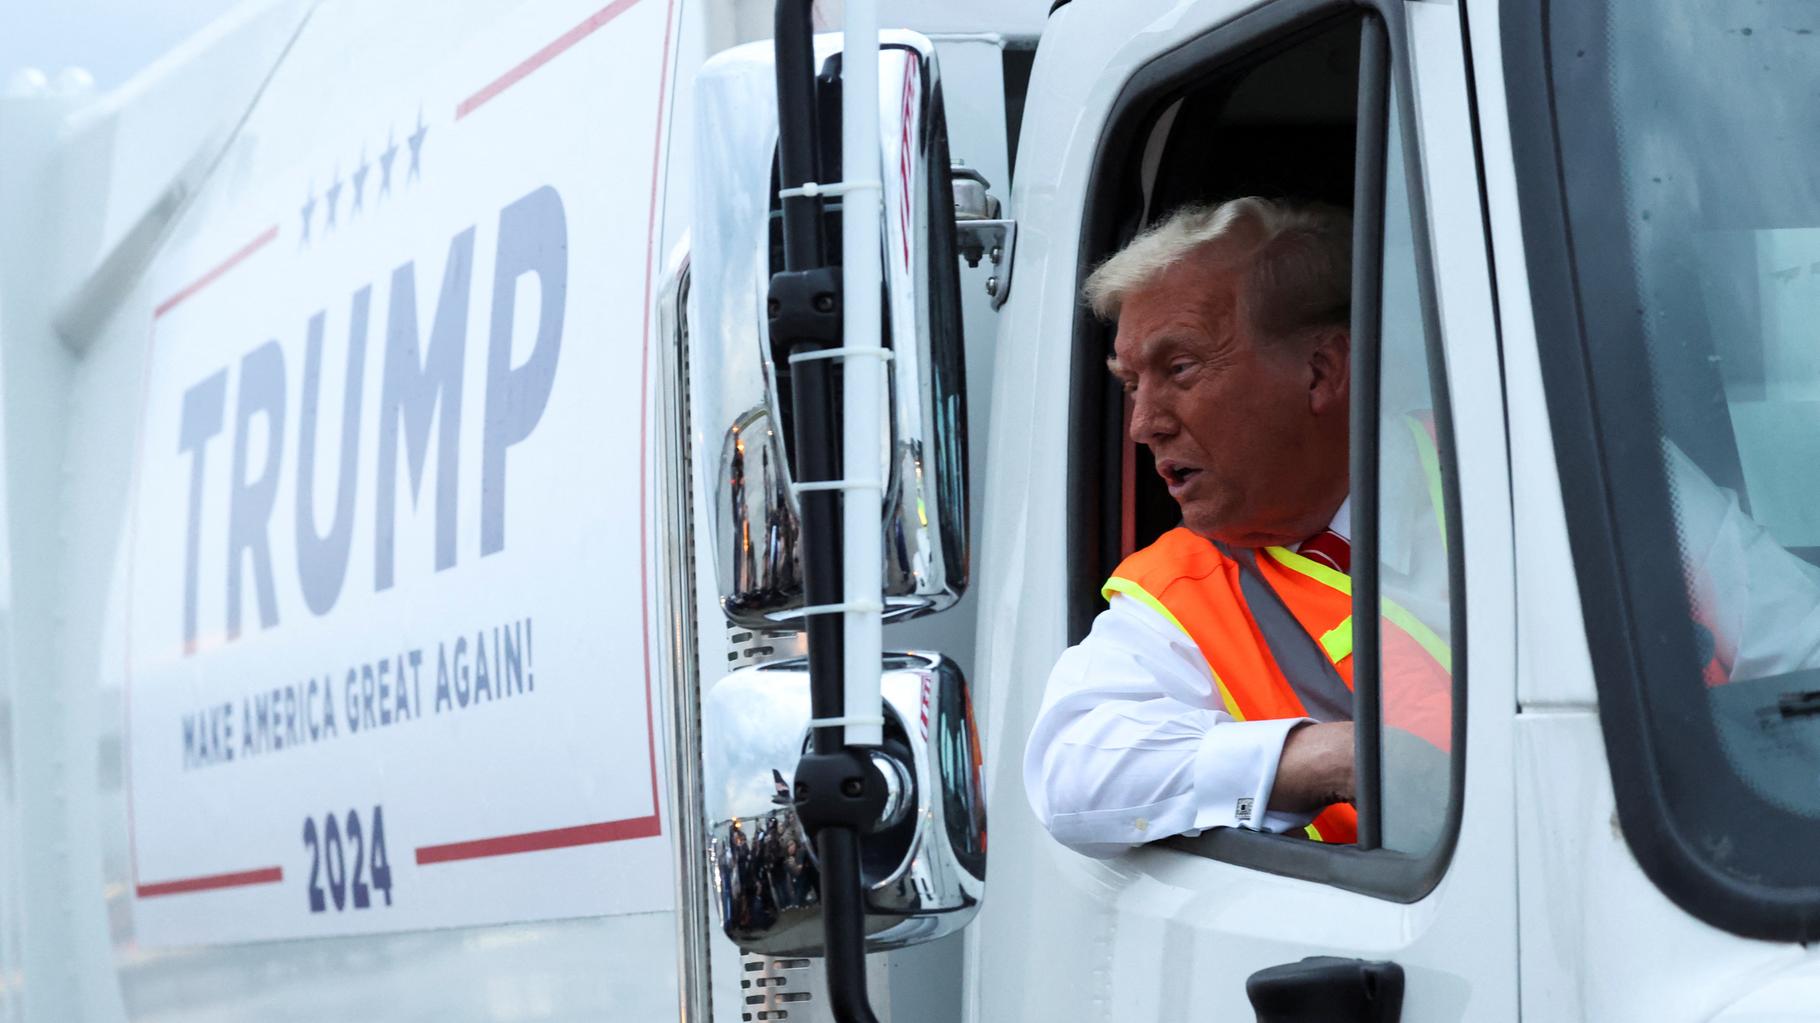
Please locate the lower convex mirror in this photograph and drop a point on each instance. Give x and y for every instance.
(923, 875)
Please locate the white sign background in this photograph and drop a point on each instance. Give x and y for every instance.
(535, 804)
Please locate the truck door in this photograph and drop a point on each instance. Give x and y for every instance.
(1363, 106)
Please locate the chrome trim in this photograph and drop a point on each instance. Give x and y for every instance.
(898, 789)
(926, 526)
(678, 664)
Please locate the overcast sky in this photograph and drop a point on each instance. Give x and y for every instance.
(112, 39)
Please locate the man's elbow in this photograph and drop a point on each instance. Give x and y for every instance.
(1048, 797)
(1051, 785)
(1070, 801)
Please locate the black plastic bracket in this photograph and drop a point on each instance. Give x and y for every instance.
(839, 789)
(1328, 989)
(805, 309)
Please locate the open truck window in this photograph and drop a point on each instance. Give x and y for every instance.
(1303, 102)
(1672, 226)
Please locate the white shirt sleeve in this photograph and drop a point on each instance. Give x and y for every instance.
(1761, 602)
(1132, 743)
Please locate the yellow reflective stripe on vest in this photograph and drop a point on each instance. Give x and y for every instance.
(1139, 594)
(1312, 569)
(1338, 641)
(1398, 615)
(1431, 469)
(1410, 624)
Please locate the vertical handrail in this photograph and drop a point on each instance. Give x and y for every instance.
(816, 428)
(797, 134)
(862, 535)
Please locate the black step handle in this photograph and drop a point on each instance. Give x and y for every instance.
(1328, 989)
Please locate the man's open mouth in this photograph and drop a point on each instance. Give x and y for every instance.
(1176, 474)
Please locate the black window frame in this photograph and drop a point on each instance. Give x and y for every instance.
(1623, 594)
(1094, 507)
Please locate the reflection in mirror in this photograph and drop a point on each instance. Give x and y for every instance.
(758, 552)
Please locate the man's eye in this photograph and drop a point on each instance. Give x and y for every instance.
(1176, 369)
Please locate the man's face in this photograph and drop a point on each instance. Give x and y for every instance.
(1248, 433)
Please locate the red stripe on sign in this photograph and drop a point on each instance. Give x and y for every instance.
(544, 56)
(210, 882)
(538, 841)
(909, 92)
(209, 278)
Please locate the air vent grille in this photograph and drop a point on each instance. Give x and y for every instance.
(771, 989)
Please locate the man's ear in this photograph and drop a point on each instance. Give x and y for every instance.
(1330, 371)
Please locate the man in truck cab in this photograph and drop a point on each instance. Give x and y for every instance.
(1214, 690)
(1178, 713)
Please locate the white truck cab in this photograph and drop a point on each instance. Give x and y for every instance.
(418, 506)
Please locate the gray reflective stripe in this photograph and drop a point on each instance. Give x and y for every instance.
(1317, 683)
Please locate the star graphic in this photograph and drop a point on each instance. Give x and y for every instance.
(309, 211)
(333, 195)
(416, 141)
(386, 156)
(360, 183)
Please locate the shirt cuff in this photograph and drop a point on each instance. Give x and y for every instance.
(1234, 772)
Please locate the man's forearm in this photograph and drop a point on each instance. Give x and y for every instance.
(1316, 768)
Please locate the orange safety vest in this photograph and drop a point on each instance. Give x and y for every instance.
(1247, 639)
(1717, 654)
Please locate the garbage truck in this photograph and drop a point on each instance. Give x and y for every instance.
(541, 510)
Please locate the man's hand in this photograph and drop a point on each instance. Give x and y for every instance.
(1315, 769)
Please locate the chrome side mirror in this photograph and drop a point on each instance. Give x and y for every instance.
(923, 876)
(736, 382)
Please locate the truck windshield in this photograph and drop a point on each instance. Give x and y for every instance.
(1688, 147)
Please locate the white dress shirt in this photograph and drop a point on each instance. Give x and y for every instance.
(1133, 744)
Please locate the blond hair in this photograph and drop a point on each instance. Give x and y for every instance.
(1300, 257)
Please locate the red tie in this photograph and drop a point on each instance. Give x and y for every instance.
(1330, 549)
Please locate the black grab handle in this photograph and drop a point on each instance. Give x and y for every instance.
(1328, 989)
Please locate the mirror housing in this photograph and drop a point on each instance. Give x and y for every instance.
(736, 382)
(923, 877)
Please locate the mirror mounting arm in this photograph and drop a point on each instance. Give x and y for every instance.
(995, 240)
(980, 230)
(854, 788)
(805, 310)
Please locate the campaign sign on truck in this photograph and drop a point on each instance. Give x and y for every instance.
(387, 632)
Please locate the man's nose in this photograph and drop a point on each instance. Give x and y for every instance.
(1151, 419)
